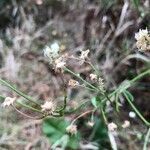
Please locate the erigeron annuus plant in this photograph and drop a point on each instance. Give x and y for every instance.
(96, 84)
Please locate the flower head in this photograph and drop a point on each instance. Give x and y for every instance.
(112, 126)
(60, 63)
(8, 101)
(84, 56)
(72, 129)
(143, 40)
(73, 83)
(93, 77)
(52, 52)
(142, 33)
(48, 106)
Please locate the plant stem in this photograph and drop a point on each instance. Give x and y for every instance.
(94, 68)
(85, 113)
(26, 114)
(131, 82)
(23, 105)
(3, 82)
(136, 110)
(65, 104)
(83, 86)
(140, 76)
(103, 115)
(76, 75)
(146, 139)
(29, 107)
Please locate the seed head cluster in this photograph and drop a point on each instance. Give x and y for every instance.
(143, 40)
(48, 106)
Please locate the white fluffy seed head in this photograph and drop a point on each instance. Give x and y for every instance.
(48, 106)
(8, 101)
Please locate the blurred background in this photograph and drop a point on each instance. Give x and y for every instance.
(107, 28)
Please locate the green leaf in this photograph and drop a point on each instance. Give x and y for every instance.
(96, 101)
(55, 129)
(100, 134)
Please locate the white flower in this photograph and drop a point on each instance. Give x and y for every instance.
(72, 129)
(60, 63)
(143, 40)
(48, 106)
(93, 77)
(8, 101)
(126, 124)
(84, 54)
(112, 126)
(73, 83)
(52, 52)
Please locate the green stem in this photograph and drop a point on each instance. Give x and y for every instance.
(29, 107)
(3, 82)
(146, 139)
(131, 82)
(65, 104)
(78, 108)
(23, 105)
(26, 115)
(77, 76)
(2, 97)
(103, 115)
(93, 67)
(86, 87)
(136, 110)
(140, 76)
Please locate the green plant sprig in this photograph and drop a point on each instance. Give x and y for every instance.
(5, 83)
(80, 78)
(117, 91)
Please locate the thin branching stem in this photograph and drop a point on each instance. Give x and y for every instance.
(83, 114)
(136, 110)
(31, 117)
(131, 83)
(23, 105)
(3, 82)
(146, 140)
(77, 76)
